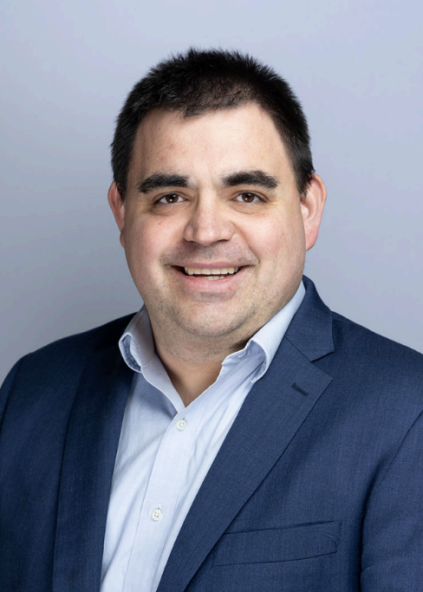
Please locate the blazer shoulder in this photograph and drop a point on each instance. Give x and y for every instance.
(357, 334)
(66, 356)
(380, 359)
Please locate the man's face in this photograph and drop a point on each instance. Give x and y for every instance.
(214, 192)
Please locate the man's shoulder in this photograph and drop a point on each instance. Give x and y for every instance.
(319, 332)
(366, 368)
(364, 355)
(66, 356)
(363, 341)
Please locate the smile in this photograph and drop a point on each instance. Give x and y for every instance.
(210, 274)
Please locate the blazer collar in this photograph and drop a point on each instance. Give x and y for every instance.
(311, 329)
(272, 413)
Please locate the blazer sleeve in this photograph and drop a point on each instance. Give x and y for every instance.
(392, 549)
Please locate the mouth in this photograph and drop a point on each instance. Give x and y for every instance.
(210, 274)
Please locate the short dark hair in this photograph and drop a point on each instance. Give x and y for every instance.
(198, 81)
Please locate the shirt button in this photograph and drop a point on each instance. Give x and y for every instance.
(157, 514)
(181, 424)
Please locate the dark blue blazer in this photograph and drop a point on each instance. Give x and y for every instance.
(318, 486)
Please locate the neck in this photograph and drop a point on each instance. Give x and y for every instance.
(191, 379)
(192, 367)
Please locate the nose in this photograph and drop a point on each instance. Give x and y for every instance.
(209, 222)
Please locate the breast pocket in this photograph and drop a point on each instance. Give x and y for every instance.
(278, 544)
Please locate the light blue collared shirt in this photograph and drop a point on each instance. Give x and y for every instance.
(166, 449)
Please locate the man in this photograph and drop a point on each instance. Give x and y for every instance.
(243, 437)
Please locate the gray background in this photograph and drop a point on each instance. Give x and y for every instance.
(66, 69)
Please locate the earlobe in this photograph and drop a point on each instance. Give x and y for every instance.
(312, 205)
(117, 206)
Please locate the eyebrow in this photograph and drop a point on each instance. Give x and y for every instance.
(257, 178)
(161, 180)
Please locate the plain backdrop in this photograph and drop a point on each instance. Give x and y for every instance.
(66, 68)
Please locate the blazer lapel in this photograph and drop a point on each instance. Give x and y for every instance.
(271, 415)
(89, 457)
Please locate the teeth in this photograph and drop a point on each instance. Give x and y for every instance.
(209, 272)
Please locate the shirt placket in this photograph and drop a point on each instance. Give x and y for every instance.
(157, 513)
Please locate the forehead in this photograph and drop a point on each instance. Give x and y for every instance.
(216, 142)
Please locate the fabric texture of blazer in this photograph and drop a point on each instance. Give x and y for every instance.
(318, 486)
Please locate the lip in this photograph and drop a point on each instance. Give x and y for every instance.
(199, 284)
(208, 265)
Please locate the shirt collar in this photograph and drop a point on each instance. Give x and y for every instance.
(137, 344)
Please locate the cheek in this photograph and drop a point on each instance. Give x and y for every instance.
(139, 247)
(278, 242)
(145, 242)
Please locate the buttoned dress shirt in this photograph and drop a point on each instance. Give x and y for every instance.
(166, 449)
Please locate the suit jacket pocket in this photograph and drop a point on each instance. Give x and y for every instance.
(278, 544)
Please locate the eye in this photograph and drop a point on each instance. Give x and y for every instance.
(248, 197)
(170, 198)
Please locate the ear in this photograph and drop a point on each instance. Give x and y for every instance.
(118, 208)
(312, 205)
